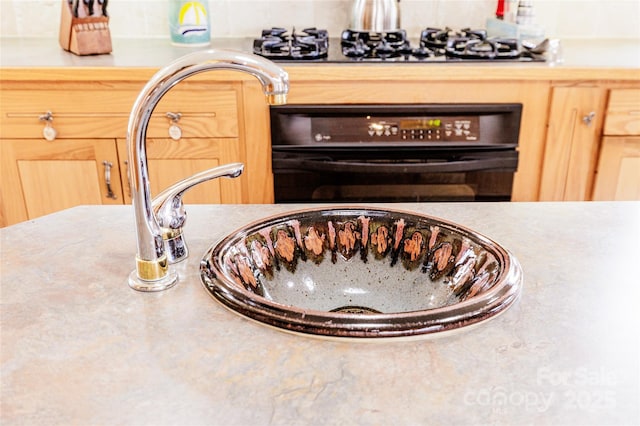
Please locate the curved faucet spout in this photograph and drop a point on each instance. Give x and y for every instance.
(152, 270)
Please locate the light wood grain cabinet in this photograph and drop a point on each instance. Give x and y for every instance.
(222, 117)
(618, 172)
(196, 126)
(41, 177)
(618, 177)
(572, 143)
(623, 113)
(592, 145)
(172, 160)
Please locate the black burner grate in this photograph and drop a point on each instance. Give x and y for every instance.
(275, 43)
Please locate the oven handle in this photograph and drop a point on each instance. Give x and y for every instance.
(510, 163)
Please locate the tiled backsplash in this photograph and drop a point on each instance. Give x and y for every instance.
(245, 18)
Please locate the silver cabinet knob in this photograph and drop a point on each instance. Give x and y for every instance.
(588, 119)
(48, 132)
(175, 131)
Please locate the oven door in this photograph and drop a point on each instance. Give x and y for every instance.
(393, 175)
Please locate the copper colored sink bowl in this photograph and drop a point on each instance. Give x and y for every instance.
(361, 273)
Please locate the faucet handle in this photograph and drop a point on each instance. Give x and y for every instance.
(171, 215)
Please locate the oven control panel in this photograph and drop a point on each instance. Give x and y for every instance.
(403, 126)
(424, 129)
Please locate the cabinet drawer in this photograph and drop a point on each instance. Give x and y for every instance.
(623, 112)
(76, 114)
(204, 112)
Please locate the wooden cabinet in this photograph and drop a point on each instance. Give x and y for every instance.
(77, 110)
(207, 137)
(223, 118)
(592, 144)
(623, 113)
(89, 148)
(41, 177)
(618, 173)
(173, 160)
(572, 143)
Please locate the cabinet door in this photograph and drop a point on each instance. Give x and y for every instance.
(618, 176)
(170, 161)
(40, 177)
(623, 113)
(573, 135)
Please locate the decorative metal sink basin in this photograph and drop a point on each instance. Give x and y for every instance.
(361, 273)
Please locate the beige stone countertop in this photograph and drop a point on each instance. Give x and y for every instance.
(583, 59)
(80, 347)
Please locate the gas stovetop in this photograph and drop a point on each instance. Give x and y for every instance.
(434, 45)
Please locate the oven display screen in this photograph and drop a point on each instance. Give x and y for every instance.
(438, 129)
(421, 124)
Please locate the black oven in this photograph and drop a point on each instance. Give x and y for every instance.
(394, 153)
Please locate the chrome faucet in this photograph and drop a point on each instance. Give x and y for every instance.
(168, 208)
(164, 216)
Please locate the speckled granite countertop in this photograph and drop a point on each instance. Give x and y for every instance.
(80, 347)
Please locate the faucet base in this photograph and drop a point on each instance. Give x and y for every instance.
(160, 284)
